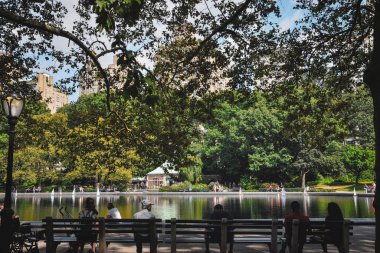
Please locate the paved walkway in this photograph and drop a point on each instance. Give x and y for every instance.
(363, 241)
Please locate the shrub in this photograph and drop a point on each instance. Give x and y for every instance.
(185, 186)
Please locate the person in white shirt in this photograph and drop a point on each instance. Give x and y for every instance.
(145, 213)
(113, 212)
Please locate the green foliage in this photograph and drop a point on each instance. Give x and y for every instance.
(185, 186)
(155, 120)
(358, 160)
(243, 141)
(359, 116)
(249, 184)
(326, 180)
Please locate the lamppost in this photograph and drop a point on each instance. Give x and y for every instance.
(13, 105)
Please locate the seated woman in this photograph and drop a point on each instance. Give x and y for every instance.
(333, 227)
(87, 233)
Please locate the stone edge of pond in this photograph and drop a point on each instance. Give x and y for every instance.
(66, 194)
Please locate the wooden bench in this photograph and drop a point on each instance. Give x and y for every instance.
(174, 232)
(107, 230)
(269, 232)
(316, 232)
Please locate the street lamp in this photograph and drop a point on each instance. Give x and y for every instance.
(13, 105)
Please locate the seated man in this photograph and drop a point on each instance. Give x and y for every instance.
(215, 235)
(304, 226)
(145, 213)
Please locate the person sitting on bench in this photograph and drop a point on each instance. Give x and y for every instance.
(215, 234)
(304, 226)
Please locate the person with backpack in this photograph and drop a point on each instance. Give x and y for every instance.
(87, 233)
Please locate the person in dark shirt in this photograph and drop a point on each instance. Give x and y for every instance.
(304, 226)
(215, 234)
(333, 227)
(87, 233)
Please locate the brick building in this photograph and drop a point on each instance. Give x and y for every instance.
(158, 177)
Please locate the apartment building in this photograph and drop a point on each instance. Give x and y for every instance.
(91, 83)
(52, 96)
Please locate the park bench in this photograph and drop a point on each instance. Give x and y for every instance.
(175, 232)
(316, 232)
(108, 230)
(269, 232)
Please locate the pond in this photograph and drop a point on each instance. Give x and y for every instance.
(193, 206)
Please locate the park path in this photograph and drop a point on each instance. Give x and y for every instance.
(363, 241)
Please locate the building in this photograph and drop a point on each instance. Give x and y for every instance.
(158, 177)
(91, 83)
(51, 95)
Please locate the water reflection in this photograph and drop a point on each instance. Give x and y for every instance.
(194, 206)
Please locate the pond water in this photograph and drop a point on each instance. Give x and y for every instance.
(185, 206)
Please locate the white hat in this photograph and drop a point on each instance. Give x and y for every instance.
(146, 202)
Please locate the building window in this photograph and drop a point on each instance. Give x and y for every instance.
(156, 182)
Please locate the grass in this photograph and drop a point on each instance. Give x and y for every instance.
(344, 187)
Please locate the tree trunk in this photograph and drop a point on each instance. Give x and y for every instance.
(372, 79)
(357, 178)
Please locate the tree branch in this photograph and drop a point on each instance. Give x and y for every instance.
(218, 29)
(35, 24)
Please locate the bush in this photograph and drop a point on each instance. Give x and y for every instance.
(185, 186)
(267, 185)
(249, 184)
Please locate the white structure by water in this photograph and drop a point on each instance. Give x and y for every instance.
(283, 192)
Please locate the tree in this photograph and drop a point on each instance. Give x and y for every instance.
(358, 160)
(341, 41)
(358, 116)
(192, 174)
(244, 140)
(331, 164)
(306, 161)
(31, 166)
(337, 41)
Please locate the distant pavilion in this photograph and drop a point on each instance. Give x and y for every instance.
(161, 176)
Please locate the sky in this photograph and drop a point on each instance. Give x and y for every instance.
(289, 16)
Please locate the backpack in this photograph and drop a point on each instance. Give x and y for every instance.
(87, 221)
(87, 233)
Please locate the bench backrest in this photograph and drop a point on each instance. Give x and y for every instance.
(317, 228)
(101, 226)
(271, 229)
